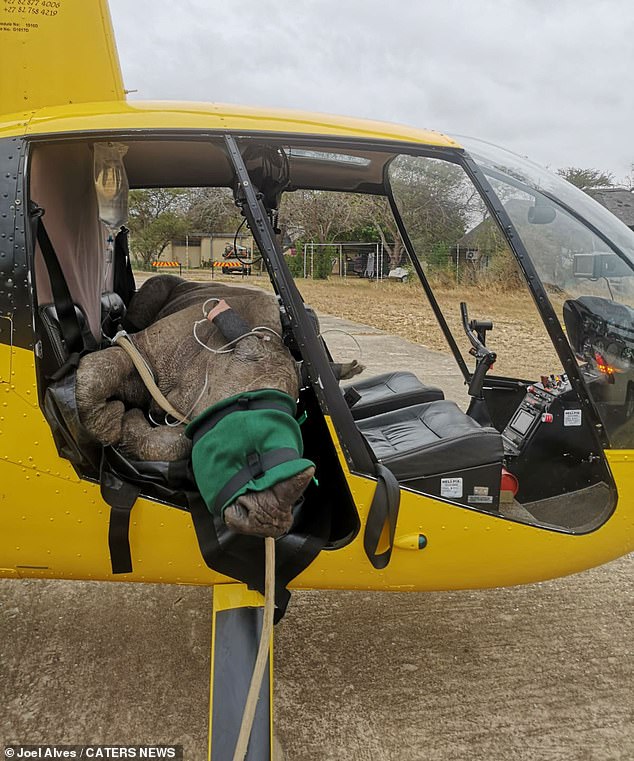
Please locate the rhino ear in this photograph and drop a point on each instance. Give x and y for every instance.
(289, 491)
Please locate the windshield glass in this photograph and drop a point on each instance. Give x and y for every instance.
(589, 276)
(492, 159)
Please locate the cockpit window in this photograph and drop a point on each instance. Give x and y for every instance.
(589, 277)
(498, 161)
(466, 258)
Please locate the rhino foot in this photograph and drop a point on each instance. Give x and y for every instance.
(347, 370)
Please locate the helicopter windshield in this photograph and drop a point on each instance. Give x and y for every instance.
(584, 257)
(520, 171)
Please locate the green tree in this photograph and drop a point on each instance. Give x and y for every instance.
(437, 202)
(586, 179)
(321, 217)
(156, 217)
(213, 210)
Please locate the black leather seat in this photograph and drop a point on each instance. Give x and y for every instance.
(113, 311)
(54, 350)
(390, 391)
(422, 443)
(53, 334)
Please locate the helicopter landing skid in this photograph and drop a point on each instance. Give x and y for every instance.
(236, 626)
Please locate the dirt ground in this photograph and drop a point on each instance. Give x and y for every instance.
(543, 672)
(538, 673)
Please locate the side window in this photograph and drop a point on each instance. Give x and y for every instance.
(351, 266)
(466, 259)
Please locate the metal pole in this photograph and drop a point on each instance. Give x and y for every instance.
(457, 257)
(186, 251)
(312, 261)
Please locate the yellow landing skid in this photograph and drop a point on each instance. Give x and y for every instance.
(235, 636)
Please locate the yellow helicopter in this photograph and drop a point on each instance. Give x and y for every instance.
(533, 481)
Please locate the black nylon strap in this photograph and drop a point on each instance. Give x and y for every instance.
(255, 467)
(240, 405)
(123, 278)
(242, 557)
(64, 305)
(121, 496)
(384, 509)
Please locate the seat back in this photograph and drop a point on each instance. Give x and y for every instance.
(389, 391)
(54, 346)
(113, 311)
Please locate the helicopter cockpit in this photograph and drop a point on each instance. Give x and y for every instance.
(527, 445)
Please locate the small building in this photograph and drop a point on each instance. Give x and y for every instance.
(198, 250)
(619, 201)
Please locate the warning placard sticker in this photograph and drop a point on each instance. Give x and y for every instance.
(451, 488)
(572, 417)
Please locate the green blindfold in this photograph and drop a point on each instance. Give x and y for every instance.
(249, 442)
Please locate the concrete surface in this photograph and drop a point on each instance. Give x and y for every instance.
(538, 673)
(381, 352)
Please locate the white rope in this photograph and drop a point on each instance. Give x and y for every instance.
(228, 347)
(345, 332)
(263, 652)
(205, 313)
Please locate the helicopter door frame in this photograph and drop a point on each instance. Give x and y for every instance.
(16, 286)
(326, 386)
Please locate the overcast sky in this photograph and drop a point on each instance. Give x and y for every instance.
(551, 79)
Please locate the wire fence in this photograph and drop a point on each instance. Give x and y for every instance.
(451, 265)
(445, 264)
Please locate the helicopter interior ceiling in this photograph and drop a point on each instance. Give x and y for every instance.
(201, 163)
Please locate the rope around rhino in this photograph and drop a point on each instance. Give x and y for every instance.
(242, 745)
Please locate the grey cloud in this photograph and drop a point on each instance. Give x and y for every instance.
(550, 80)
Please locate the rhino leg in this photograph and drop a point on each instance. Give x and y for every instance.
(107, 381)
(142, 441)
(268, 512)
(347, 370)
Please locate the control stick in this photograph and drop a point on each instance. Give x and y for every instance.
(476, 331)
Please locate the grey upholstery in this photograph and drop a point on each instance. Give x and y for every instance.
(429, 439)
(390, 391)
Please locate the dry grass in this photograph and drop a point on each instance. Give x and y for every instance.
(519, 336)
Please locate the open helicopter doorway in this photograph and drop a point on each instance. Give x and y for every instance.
(531, 436)
(64, 204)
(548, 468)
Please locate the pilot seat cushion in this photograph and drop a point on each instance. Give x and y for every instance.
(390, 391)
(431, 438)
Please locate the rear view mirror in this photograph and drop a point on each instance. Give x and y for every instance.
(541, 214)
